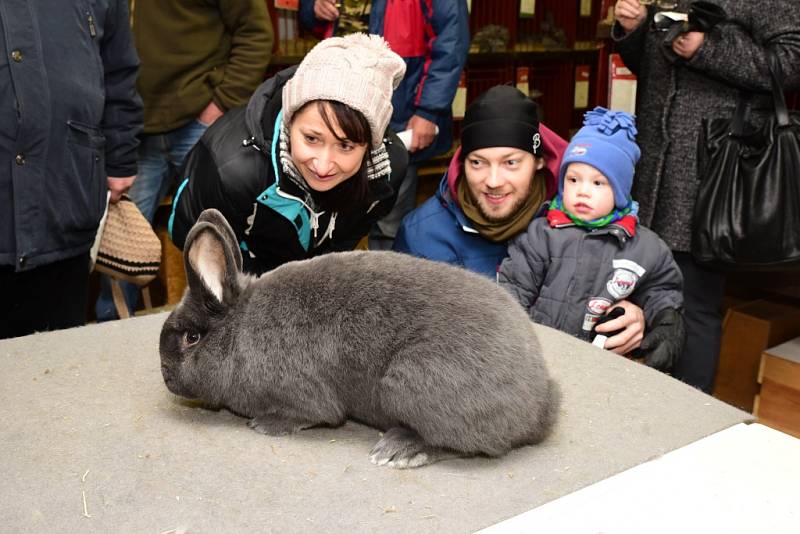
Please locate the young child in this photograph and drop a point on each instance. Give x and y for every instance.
(569, 268)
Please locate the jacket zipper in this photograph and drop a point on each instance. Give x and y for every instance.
(92, 27)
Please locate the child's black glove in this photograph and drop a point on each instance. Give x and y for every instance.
(599, 339)
(663, 341)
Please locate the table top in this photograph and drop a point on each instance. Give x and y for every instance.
(92, 441)
(702, 487)
(788, 351)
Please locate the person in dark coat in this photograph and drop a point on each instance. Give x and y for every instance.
(681, 81)
(69, 121)
(219, 51)
(309, 164)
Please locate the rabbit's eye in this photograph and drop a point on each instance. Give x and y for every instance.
(191, 337)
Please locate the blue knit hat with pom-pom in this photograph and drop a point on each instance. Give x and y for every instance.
(607, 142)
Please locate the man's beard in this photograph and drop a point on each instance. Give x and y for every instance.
(518, 204)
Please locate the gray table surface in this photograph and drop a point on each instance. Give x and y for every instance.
(85, 414)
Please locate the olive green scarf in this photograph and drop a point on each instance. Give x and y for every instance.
(517, 222)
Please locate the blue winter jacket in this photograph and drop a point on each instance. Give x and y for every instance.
(432, 36)
(438, 229)
(69, 117)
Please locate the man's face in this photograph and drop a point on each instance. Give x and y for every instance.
(499, 180)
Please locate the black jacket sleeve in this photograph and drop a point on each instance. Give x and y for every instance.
(219, 172)
(123, 115)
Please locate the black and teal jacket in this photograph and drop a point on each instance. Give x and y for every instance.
(235, 168)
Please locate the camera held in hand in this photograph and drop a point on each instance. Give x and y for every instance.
(702, 17)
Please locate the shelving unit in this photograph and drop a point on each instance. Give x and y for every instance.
(551, 44)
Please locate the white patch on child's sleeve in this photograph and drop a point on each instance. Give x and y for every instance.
(598, 305)
(589, 320)
(629, 265)
(622, 283)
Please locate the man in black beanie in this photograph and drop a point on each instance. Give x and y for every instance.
(500, 179)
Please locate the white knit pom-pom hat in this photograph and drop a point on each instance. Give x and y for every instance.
(358, 70)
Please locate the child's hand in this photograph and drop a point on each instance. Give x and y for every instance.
(663, 343)
(632, 325)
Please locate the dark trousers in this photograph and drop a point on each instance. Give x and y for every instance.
(383, 232)
(50, 297)
(703, 291)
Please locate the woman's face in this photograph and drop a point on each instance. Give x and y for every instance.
(322, 159)
(500, 179)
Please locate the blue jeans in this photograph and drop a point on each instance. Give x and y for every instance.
(160, 157)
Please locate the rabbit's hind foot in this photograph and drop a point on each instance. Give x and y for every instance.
(402, 448)
(272, 425)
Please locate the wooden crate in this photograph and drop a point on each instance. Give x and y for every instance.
(747, 331)
(778, 403)
(171, 273)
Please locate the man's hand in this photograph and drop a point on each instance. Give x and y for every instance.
(686, 44)
(118, 185)
(630, 14)
(210, 114)
(422, 132)
(632, 323)
(663, 344)
(326, 10)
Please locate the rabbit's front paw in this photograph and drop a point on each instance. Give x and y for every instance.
(275, 426)
(402, 448)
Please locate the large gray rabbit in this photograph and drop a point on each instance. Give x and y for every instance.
(442, 360)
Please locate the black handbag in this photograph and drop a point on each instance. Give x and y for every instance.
(747, 212)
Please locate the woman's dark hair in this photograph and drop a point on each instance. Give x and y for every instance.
(353, 192)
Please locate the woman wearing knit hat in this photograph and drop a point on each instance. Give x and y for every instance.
(308, 165)
(570, 268)
(497, 182)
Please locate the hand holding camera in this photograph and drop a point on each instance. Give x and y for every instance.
(686, 31)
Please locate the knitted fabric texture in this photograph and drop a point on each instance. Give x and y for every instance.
(632, 209)
(358, 70)
(607, 142)
(501, 117)
(129, 248)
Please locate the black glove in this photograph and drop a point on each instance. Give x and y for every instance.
(703, 16)
(610, 316)
(663, 341)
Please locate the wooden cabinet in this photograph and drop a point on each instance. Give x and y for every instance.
(778, 401)
(748, 330)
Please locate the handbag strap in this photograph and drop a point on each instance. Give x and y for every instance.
(740, 114)
(778, 97)
(745, 98)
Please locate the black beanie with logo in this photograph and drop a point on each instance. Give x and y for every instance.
(502, 116)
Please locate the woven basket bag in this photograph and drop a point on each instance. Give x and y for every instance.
(128, 249)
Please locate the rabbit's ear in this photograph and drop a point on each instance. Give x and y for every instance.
(218, 220)
(211, 270)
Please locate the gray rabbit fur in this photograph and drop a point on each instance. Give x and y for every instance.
(444, 361)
